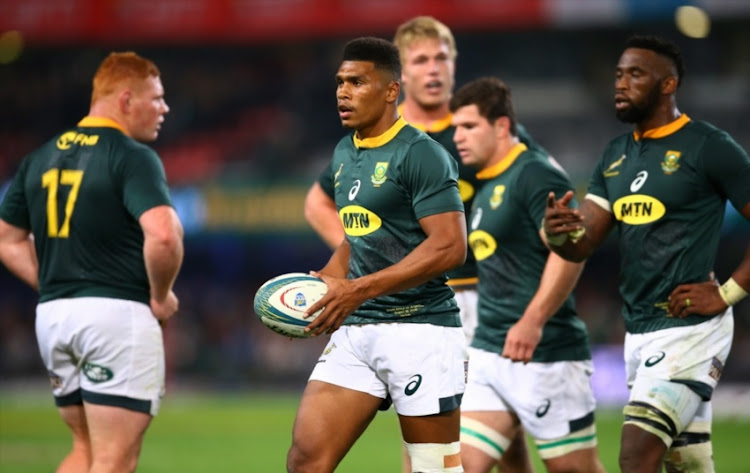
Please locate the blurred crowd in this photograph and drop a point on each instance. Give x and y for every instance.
(267, 112)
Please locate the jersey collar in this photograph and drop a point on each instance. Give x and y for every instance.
(436, 127)
(380, 140)
(500, 167)
(665, 130)
(101, 122)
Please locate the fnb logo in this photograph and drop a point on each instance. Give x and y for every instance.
(359, 221)
(71, 138)
(638, 209)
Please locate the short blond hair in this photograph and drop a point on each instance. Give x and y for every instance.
(117, 68)
(422, 27)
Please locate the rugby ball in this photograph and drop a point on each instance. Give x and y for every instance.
(280, 303)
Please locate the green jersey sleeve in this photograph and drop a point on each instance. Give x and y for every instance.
(432, 176)
(536, 181)
(325, 179)
(144, 183)
(728, 167)
(13, 208)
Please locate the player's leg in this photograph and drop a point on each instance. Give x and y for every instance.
(122, 371)
(116, 435)
(555, 403)
(329, 420)
(659, 410)
(339, 402)
(79, 458)
(575, 452)
(486, 437)
(516, 458)
(424, 367)
(691, 451)
(54, 340)
(432, 442)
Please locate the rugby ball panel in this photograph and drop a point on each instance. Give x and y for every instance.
(280, 303)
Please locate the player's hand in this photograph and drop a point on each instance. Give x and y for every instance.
(699, 298)
(559, 218)
(166, 308)
(523, 337)
(338, 303)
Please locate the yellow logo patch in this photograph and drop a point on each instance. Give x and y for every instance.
(71, 138)
(638, 209)
(482, 244)
(358, 221)
(609, 172)
(465, 190)
(671, 162)
(379, 177)
(497, 197)
(336, 176)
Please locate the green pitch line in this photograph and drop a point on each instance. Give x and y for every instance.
(252, 432)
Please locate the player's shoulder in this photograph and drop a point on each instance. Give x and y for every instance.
(416, 139)
(536, 161)
(706, 130)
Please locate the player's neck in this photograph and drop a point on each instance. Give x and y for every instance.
(417, 115)
(101, 109)
(662, 116)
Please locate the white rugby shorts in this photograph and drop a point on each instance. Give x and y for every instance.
(551, 400)
(102, 351)
(467, 305)
(421, 366)
(694, 355)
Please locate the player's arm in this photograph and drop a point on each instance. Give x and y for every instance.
(321, 214)
(162, 252)
(710, 298)
(443, 249)
(574, 233)
(559, 278)
(18, 254)
(727, 166)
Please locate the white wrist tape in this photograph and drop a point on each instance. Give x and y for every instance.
(731, 292)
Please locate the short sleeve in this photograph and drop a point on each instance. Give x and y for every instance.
(14, 208)
(596, 184)
(536, 181)
(728, 167)
(325, 179)
(144, 182)
(431, 175)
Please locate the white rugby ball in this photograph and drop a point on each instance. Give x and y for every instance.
(280, 303)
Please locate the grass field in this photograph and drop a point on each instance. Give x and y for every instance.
(251, 433)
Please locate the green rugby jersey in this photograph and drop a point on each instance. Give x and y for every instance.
(81, 195)
(504, 236)
(667, 191)
(442, 131)
(383, 186)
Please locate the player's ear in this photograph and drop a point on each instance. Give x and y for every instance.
(394, 89)
(124, 100)
(669, 85)
(502, 126)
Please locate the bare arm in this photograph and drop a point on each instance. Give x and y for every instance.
(18, 254)
(705, 297)
(162, 253)
(443, 249)
(559, 278)
(321, 214)
(559, 219)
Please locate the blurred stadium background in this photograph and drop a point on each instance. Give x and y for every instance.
(252, 123)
